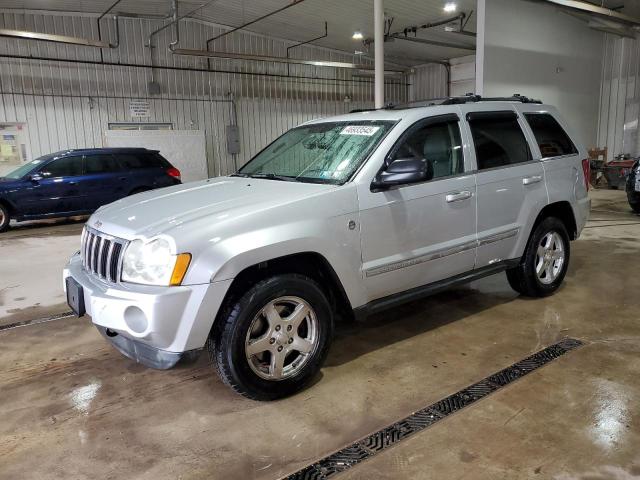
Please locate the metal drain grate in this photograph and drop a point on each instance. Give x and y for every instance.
(348, 457)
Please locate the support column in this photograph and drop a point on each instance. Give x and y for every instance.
(480, 19)
(378, 38)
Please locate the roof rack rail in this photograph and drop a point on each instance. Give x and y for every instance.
(471, 98)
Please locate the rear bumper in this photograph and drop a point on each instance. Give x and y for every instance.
(582, 213)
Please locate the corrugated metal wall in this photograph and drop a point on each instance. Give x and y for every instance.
(620, 97)
(428, 82)
(69, 105)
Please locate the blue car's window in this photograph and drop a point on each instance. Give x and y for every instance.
(147, 160)
(100, 164)
(25, 169)
(63, 167)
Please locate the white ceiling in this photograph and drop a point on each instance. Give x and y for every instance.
(304, 20)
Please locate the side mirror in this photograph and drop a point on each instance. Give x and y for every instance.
(403, 171)
(35, 178)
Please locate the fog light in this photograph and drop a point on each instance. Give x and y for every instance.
(135, 319)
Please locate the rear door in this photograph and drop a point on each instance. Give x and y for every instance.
(560, 157)
(103, 180)
(510, 182)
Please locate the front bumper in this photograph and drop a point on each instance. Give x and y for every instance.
(154, 325)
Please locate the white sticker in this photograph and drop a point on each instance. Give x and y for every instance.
(359, 130)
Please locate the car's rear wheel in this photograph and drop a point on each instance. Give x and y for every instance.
(545, 261)
(634, 201)
(5, 218)
(271, 341)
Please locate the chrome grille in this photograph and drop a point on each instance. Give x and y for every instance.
(102, 254)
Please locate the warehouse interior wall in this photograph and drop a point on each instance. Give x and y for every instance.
(64, 104)
(620, 97)
(536, 50)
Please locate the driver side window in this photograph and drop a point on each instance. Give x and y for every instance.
(63, 167)
(439, 143)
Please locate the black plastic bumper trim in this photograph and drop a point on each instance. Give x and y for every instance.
(367, 447)
(142, 353)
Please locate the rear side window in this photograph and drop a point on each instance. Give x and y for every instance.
(132, 162)
(552, 139)
(100, 164)
(498, 139)
(439, 144)
(63, 167)
(144, 160)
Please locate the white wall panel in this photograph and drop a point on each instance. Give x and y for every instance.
(535, 50)
(70, 105)
(620, 97)
(428, 82)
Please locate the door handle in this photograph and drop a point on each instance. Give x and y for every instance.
(531, 180)
(458, 196)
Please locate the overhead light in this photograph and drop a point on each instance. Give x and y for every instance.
(450, 7)
(357, 36)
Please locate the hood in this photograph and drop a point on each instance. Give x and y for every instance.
(6, 182)
(218, 200)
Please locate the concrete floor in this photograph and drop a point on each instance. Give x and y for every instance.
(72, 407)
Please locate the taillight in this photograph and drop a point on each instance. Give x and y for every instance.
(586, 169)
(173, 172)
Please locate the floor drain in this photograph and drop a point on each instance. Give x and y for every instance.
(346, 458)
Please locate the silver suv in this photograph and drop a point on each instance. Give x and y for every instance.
(339, 217)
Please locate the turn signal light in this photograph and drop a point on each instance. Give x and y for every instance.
(180, 269)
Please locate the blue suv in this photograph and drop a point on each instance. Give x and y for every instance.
(77, 182)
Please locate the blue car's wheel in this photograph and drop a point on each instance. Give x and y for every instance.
(5, 218)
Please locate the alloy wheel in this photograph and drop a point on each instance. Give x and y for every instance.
(281, 339)
(550, 257)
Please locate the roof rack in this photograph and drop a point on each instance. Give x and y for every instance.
(471, 98)
(468, 98)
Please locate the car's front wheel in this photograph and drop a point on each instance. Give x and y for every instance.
(545, 261)
(271, 341)
(5, 218)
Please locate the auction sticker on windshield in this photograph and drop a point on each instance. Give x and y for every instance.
(364, 130)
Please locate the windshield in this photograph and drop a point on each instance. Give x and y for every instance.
(25, 169)
(328, 152)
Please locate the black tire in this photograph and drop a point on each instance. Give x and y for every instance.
(634, 202)
(634, 199)
(523, 278)
(226, 342)
(5, 218)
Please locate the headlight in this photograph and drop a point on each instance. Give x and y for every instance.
(152, 263)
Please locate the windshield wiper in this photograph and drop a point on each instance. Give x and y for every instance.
(271, 176)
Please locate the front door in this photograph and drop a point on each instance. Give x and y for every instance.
(55, 188)
(417, 234)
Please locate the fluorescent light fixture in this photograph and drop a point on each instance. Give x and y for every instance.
(450, 7)
(357, 36)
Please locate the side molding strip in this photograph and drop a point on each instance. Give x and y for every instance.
(410, 262)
